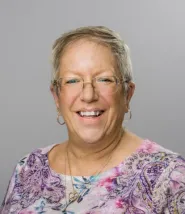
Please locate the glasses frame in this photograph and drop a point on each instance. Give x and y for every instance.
(118, 81)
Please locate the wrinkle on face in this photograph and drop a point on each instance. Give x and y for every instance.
(87, 59)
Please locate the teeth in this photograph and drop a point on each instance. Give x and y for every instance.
(90, 113)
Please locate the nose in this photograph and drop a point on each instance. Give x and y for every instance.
(88, 93)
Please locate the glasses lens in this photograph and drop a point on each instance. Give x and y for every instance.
(73, 84)
(107, 84)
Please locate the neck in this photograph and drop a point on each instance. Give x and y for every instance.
(95, 151)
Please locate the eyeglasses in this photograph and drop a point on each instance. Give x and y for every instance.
(103, 84)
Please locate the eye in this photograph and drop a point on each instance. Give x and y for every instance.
(69, 81)
(106, 80)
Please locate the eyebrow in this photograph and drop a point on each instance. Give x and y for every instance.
(96, 73)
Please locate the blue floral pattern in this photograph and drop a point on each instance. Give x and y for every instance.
(152, 180)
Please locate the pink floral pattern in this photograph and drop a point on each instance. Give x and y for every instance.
(151, 180)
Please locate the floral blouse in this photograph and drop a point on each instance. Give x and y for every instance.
(151, 180)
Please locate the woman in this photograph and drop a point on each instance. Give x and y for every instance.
(102, 167)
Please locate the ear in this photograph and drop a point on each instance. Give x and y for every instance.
(55, 96)
(129, 94)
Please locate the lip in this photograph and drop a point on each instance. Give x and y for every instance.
(90, 119)
(90, 109)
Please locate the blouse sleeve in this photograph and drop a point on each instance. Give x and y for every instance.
(10, 197)
(169, 192)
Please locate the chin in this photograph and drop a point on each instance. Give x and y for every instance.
(91, 136)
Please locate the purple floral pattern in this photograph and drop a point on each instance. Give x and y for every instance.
(34, 180)
(152, 180)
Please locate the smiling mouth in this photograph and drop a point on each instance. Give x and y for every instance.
(89, 114)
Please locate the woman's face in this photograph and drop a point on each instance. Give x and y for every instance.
(86, 59)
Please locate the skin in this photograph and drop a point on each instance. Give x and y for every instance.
(92, 140)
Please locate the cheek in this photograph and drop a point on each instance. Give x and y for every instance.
(66, 101)
(118, 107)
(116, 101)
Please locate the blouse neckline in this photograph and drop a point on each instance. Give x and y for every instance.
(115, 168)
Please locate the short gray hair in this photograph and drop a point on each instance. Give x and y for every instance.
(101, 35)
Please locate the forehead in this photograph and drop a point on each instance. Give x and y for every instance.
(86, 57)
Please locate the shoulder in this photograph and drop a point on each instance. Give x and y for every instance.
(34, 159)
(151, 164)
(26, 174)
(164, 171)
(154, 152)
(169, 190)
(155, 164)
(38, 155)
(158, 160)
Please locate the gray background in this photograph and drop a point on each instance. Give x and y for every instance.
(155, 33)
